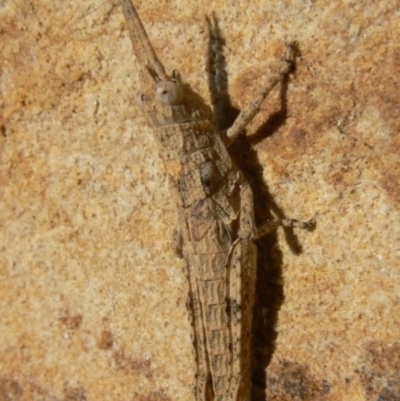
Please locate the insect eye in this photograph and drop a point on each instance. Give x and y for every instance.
(169, 92)
(140, 100)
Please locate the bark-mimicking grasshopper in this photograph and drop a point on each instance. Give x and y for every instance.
(216, 226)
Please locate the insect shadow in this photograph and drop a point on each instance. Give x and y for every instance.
(269, 287)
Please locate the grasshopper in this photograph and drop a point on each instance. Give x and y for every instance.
(216, 228)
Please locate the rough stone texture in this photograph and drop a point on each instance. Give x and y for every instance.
(93, 300)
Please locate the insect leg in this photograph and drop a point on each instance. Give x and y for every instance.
(249, 112)
(247, 225)
(177, 241)
(199, 341)
(248, 228)
(272, 225)
(241, 277)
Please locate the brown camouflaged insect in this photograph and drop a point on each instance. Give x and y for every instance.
(216, 228)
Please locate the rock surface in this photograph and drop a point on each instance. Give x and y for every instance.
(92, 298)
